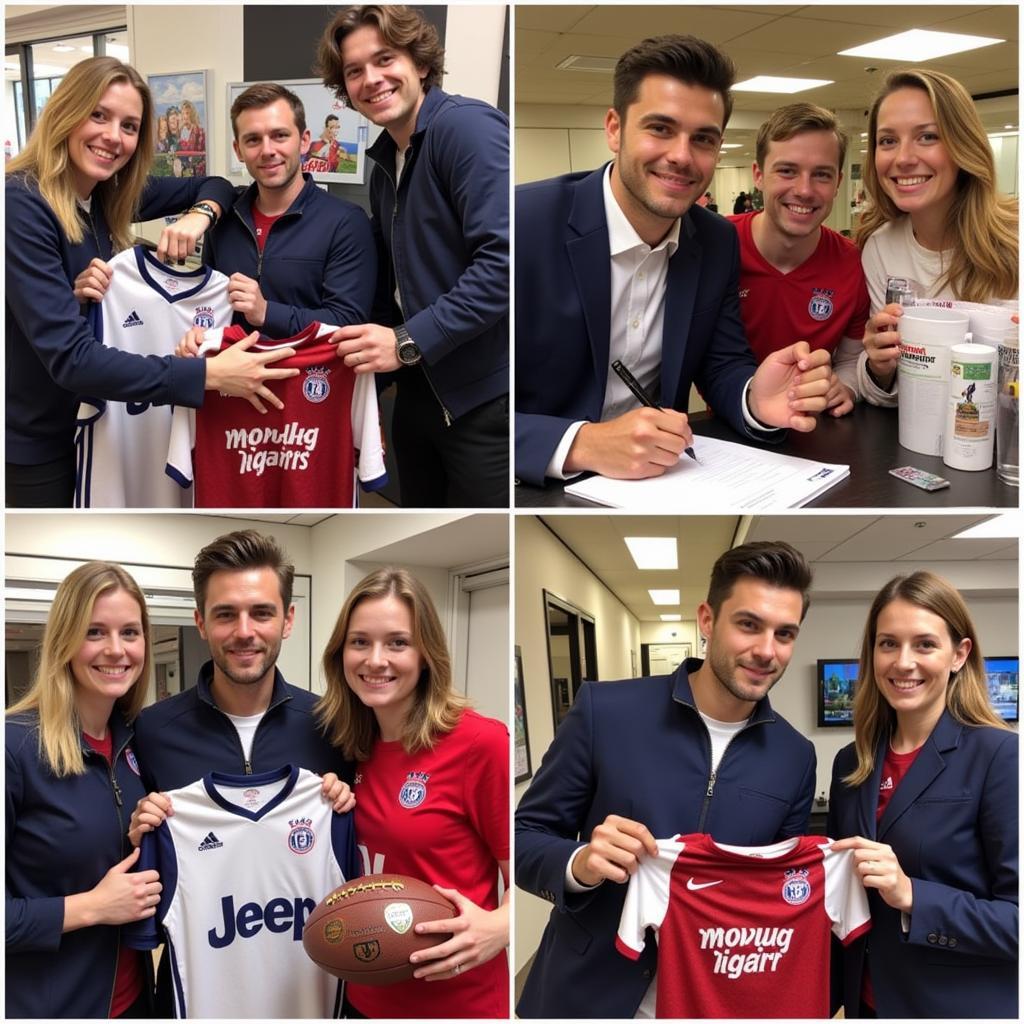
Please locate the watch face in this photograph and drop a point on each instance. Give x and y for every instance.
(408, 352)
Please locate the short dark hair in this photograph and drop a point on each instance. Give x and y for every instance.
(774, 562)
(401, 27)
(795, 119)
(261, 95)
(687, 58)
(329, 118)
(243, 549)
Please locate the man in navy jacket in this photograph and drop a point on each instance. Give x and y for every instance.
(439, 195)
(700, 750)
(293, 253)
(621, 264)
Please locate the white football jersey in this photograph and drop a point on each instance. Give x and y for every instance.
(243, 861)
(121, 447)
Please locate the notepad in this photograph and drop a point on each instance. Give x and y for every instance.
(729, 475)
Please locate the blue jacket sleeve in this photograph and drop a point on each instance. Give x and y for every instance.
(349, 281)
(470, 153)
(554, 809)
(31, 925)
(984, 925)
(42, 302)
(165, 197)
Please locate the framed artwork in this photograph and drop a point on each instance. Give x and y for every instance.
(524, 769)
(340, 134)
(181, 111)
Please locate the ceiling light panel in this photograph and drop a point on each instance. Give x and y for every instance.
(653, 552)
(919, 44)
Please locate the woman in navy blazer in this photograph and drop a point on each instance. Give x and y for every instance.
(927, 796)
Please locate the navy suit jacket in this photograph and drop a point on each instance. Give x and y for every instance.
(638, 748)
(952, 823)
(563, 312)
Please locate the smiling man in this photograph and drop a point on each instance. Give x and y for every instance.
(622, 264)
(800, 280)
(700, 750)
(293, 253)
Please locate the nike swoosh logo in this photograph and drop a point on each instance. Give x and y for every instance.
(694, 886)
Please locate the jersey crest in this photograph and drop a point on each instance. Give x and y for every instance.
(414, 790)
(821, 306)
(316, 387)
(796, 889)
(301, 838)
(204, 317)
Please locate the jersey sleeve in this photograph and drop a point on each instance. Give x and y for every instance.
(343, 842)
(366, 435)
(647, 898)
(846, 902)
(485, 787)
(180, 444)
(157, 855)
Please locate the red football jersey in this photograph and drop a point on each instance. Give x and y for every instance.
(743, 931)
(822, 301)
(302, 456)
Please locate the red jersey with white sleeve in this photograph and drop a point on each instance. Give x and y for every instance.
(743, 931)
(301, 456)
(440, 815)
(822, 301)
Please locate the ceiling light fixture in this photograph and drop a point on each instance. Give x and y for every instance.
(919, 44)
(1006, 526)
(772, 83)
(653, 552)
(664, 596)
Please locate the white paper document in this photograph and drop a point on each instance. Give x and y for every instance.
(729, 475)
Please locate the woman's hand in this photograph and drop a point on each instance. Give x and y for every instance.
(477, 935)
(120, 897)
(188, 347)
(244, 374)
(179, 239)
(92, 283)
(882, 343)
(879, 869)
(339, 794)
(150, 812)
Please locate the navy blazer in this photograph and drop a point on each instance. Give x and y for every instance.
(639, 748)
(952, 823)
(563, 313)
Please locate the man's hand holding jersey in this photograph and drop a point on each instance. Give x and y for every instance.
(613, 852)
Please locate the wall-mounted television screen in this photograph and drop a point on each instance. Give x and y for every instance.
(836, 680)
(1003, 686)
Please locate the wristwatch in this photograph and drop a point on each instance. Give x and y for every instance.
(206, 209)
(407, 350)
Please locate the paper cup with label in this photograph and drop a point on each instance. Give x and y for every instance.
(971, 414)
(927, 333)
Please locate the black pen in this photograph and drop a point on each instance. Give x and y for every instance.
(642, 397)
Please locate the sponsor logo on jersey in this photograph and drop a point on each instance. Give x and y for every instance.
(204, 317)
(694, 886)
(211, 842)
(820, 307)
(366, 951)
(301, 838)
(886, 783)
(398, 917)
(316, 387)
(414, 790)
(280, 915)
(796, 889)
(294, 443)
(132, 320)
(746, 949)
(129, 756)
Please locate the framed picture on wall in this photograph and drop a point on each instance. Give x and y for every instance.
(182, 111)
(340, 135)
(524, 769)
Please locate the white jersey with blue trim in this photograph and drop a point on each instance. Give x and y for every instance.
(121, 447)
(243, 861)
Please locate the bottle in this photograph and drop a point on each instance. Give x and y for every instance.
(1007, 416)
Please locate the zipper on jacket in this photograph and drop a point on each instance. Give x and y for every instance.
(713, 776)
(247, 768)
(398, 287)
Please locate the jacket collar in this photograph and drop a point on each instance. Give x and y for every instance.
(682, 692)
(384, 149)
(120, 731)
(280, 692)
(248, 198)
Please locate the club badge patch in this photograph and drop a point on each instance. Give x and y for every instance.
(204, 317)
(316, 387)
(129, 756)
(796, 889)
(414, 790)
(820, 306)
(398, 917)
(301, 838)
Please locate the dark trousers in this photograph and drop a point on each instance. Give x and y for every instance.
(48, 485)
(459, 465)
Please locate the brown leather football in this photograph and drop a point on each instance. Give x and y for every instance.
(363, 931)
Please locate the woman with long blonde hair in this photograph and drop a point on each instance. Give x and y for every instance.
(926, 797)
(71, 783)
(935, 218)
(431, 793)
(72, 195)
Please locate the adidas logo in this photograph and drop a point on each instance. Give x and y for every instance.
(132, 320)
(886, 783)
(211, 842)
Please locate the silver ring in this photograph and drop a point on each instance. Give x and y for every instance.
(457, 968)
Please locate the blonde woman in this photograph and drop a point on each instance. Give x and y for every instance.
(71, 782)
(934, 218)
(927, 797)
(431, 790)
(72, 195)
